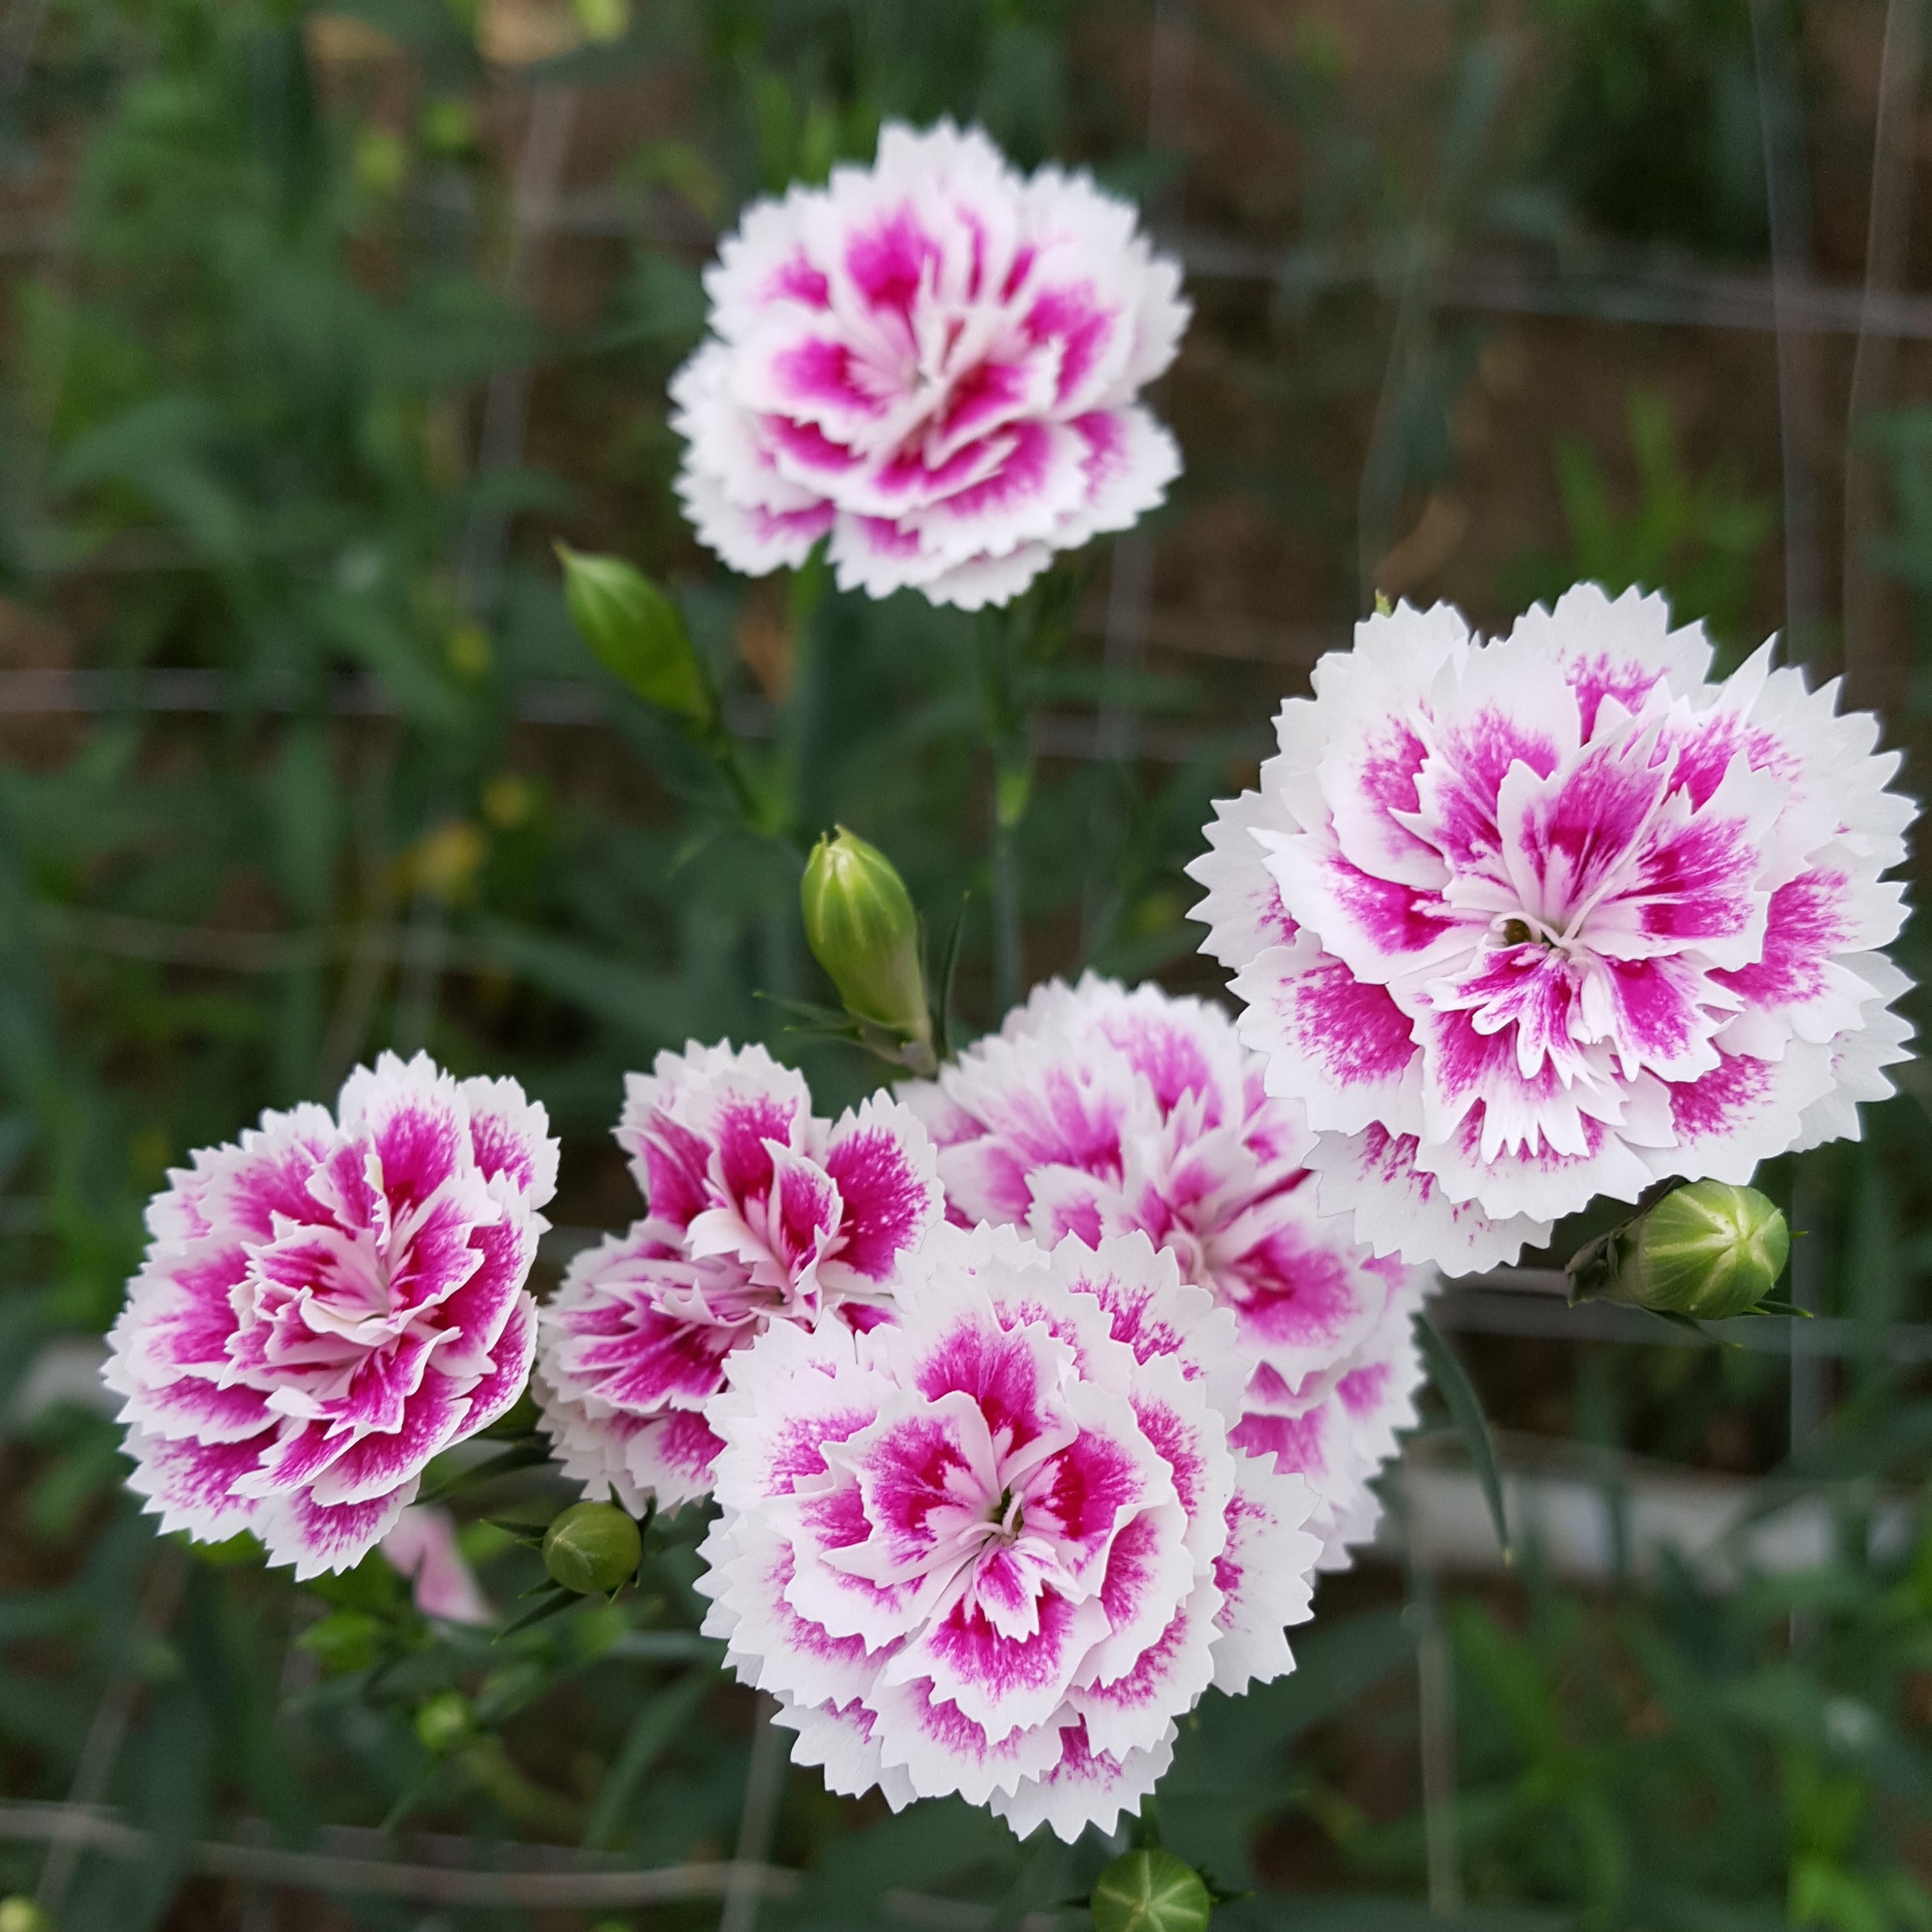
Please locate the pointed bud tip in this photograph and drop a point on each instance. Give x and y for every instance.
(863, 929)
(592, 1548)
(1150, 1891)
(635, 632)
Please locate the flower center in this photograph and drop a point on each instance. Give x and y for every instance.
(1008, 1515)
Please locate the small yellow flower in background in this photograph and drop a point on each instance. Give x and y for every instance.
(468, 649)
(443, 861)
(603, 20)
(447, 126)
(382, 160)
(508, 800)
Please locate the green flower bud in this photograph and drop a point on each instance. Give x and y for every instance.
(1150, 1891)
(636, 632)
(862, 928)
(20, 1914)
(1707, 1251)
(592, 1547)
(445, 1721)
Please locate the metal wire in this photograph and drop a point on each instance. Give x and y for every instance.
(357, 1864)
(1887, 230)
(89, 1827)
(1790, 249)
(105, 1734)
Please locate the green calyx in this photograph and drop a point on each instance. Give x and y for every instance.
(592, 1549)
(863, 929)
(1150, 1891)
(637, 633)
(1705, 1251)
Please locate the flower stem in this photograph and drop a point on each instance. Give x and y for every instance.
(1002, 723)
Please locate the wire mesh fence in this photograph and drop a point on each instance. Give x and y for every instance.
(437, 952)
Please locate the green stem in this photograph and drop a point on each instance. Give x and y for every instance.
(1006, 967)
(771, 810)
(1003, 724)
(721, 748)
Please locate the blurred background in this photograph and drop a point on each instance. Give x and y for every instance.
(321, 324)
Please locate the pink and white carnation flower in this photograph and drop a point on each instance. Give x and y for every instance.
(1098, 1111)
(328, 1304)
(935, 363)
(758, 1211)
(1523, 921)
(1000, 1546)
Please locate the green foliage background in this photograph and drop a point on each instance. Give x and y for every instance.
(349, 780)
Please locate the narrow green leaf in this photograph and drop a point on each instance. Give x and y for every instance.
(553, 1604)
(948, 973)
(656, 1728)
(1466, 1411)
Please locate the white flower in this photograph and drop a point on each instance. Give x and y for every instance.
(1000, 1545)
(936, 363)
(330, 1304)
(1526, 922)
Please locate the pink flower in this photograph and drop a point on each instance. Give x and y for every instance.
(934, 362)
(1000, 1546)
(1097, 1111)
(423, 1547)
(1526, 922)
(759, 1212)
(1342, 1435)
(326, 1307)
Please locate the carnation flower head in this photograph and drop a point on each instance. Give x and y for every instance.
(328, 1304)
(999, 1546)
(935, 363)
(1523, 921)
(1098, 1111)
(758, 1211)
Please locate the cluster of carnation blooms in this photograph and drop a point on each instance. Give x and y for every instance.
(1031, 1398)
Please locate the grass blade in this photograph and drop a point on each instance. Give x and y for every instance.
(1466, 1411)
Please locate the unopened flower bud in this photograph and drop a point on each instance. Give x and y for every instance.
(1150, 1891)
(861, 926)
(592, 1547)
(1707, 1250)
(444, 1721)
(636, 632)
